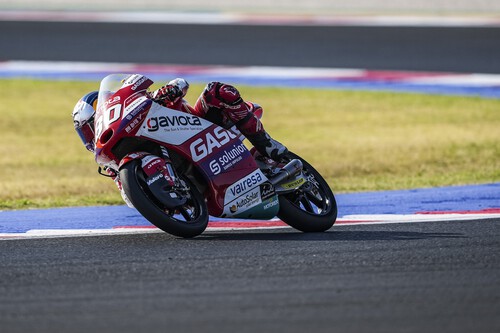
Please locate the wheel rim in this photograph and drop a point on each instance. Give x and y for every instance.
(312, 198)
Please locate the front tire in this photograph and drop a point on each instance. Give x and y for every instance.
(311, 207)
(188, 220)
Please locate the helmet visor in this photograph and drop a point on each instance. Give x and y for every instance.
(86, 134)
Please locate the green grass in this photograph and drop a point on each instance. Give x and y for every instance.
(358, 140)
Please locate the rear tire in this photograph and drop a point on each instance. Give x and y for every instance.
(309, 210)
(188, 220)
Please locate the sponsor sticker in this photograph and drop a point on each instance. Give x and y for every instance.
(135, 80)
(250, 182)
(136, 106)
(293, 184)
(271, 204)
(172, 122)
(171, 126)
(210, 142)
(154, 179)
(229, 157)
(245, 184)
(133, 124)
(247, 201)
(139, 82)
(266, 191)
(151, 164)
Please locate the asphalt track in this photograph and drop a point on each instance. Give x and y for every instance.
(433, 277)
(421, 277)
(454, 49)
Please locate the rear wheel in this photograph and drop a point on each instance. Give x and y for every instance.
(187, 220)
(311, 207)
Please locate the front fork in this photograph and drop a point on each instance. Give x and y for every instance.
(160, 177)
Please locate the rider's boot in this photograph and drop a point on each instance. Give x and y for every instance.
(254, 131)
(267, 146)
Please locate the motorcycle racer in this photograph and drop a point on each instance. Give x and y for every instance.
(219, 103)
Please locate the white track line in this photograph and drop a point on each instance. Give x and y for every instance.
(21, 68)
(347, 220)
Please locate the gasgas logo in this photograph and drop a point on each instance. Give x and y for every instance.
(215, 139)
(155, 123)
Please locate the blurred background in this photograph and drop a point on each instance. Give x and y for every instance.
(423, 35)
(427, 7)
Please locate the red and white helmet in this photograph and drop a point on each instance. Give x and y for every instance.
(83, 119)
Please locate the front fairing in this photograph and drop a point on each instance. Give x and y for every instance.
(121, 108)
(115, 82)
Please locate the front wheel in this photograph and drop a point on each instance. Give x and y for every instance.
(187, 220)
(311, 207)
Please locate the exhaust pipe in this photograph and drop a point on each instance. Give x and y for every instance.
(288, 171)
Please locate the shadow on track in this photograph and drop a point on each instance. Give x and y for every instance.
(329, 236)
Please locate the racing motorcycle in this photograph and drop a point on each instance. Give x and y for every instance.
(177, 169)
